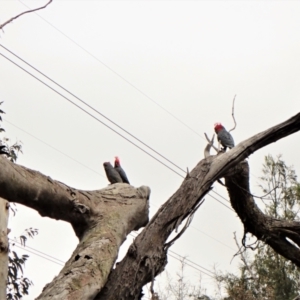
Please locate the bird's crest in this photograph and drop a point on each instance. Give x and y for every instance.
(218, 126)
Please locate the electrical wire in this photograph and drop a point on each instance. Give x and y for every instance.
(62, 263)
(32, 252)
(38, 139)
(115, 125)
(44, 254)
(213, 238)
(201, 271)
(113, 71)
(69, 100)
(182, 258)
(33, 249)
(186, 259)
(98, 112)
(221, 202)
(92, 108)
(89, 114)
(116, 73)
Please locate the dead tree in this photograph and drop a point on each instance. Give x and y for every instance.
(101, 220)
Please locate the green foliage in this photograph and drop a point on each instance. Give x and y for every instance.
(17, 285)
(269, 276)
(280, 181)
(12, 150)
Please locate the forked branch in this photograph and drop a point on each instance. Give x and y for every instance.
(151, 242)
(209, 145)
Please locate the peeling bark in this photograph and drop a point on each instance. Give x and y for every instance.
(101, 219)
(121, 210)
(148, 255)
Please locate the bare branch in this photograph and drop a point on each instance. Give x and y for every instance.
(209, 145)
(271, 231)
(258, 197)
(23, 13)
(151, 242)
(58, 201)
(243, 257)
(187, 224)
(233, 114)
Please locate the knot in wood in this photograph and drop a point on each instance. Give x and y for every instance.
(81, 208)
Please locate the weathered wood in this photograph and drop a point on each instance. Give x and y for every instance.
(103, 218)
(272, 231)
(121, 210)
(148, 255)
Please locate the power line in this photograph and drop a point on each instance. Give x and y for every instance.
(69, 100)
(116, 73)
(201, 271)
(212, 238)
(40, 255)
(194, 266)
(186, 259)
(118, 125)
(120, 76)
(97, 111)
(89, 106)
(90, 114)
(221, 202)
(60, 262)
(33, 249)
(53, 147)
(38, 139)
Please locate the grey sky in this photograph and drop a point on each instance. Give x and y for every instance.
(189, 57)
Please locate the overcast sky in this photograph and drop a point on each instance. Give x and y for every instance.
(165, 71)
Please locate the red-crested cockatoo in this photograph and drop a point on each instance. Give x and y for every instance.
(119, 169)
(224, 137)
(112, 175)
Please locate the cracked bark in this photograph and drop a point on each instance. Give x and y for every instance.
(135, 270)
(101, 219)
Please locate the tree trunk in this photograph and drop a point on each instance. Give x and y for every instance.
(148, 255)
(86, 272)
(4, 210)
(101, 219)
